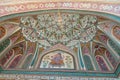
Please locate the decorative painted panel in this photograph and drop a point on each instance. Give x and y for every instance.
(111, 59)
(100, 49)
(101, 63)
(88, 63)
(27, 61)
(15, 61)
(85, 50)
(6, 57)
(103, 38)
(59, 27)
(45, 5)
(4, 44)
(31, 47)
(57, 59)
(15, 37)
(114, 46)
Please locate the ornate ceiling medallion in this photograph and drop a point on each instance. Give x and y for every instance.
(59, 28)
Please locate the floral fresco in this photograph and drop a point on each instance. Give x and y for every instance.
(57, 59)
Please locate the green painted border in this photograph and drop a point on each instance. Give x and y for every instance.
(91, 74)
(83, 74)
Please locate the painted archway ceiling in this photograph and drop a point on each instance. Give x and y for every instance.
(59, 31)
(59, 28)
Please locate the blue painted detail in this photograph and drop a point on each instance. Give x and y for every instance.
(35, 56)
(80, 56)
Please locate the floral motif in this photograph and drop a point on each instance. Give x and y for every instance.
(57, 59)
(59, 27)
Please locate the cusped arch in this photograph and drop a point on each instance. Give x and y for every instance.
(88, 62)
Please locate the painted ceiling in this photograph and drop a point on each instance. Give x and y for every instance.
(60, 38)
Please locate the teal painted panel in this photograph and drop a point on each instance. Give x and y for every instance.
(62, 73)
(88, 63)
(114, 47)
(27, 62)
(4, 44)
(1, 68)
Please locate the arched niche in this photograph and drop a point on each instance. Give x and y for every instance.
(6, 57)
(111, 59)
(101, 62)
(113, 46)
(58, 57)
(15, 61)
(27, 61)
(88, 62)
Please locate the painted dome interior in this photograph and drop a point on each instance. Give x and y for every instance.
(60, 40)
